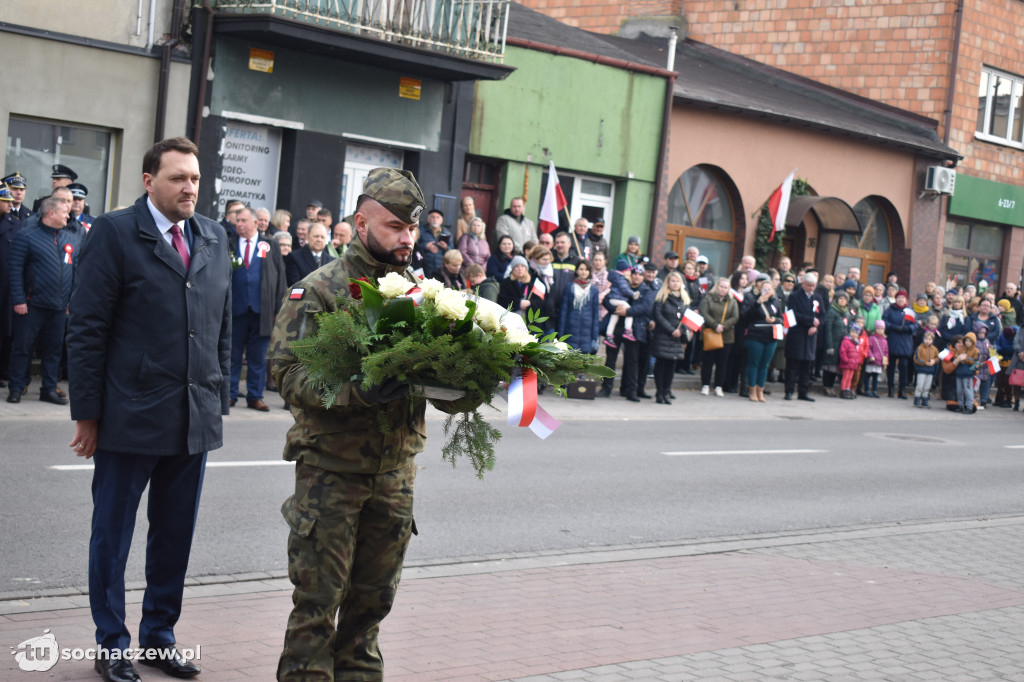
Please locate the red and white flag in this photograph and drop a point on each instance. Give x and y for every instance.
(789, 319)
(540, 289)
(993, 364)
(738, 295)
(554, 201)
(693, 320)
(944, 353)
(778, 331)
(778, 205)
(908, 315)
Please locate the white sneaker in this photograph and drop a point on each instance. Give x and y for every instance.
(719, 392)
(704, 390)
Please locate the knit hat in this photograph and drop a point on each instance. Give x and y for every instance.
(880, 324)
(980, 327)
(633, 240)
(842, 294)
(517, 260)
(903, 293)
(972, 336)
(1009, 333)
(850, 283)
(1003, 304)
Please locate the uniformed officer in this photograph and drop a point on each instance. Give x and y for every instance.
(16, 184)
(9, 227)
(78, 209)
(61, 176)
(351, 515)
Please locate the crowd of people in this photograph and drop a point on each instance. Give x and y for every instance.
(740, 333)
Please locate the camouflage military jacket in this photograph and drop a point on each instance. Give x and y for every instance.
(347, 437)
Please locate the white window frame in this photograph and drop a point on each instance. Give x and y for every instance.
(579, 199)
(987, 135)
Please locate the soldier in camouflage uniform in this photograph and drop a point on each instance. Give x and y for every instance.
(351, 517)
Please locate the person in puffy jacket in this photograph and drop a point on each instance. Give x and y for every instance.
(668, 341)
(877, 359)
(900, 324)
(849, 361)
(579, 317)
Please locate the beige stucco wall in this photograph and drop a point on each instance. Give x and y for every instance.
(757, 156)
(116, 21)
(96, 87)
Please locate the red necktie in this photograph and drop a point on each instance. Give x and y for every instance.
(179, 244)
(246, 259)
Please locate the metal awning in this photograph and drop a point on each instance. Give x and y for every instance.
(831, 214)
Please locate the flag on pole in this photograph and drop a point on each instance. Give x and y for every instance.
(789, 319)
(778, 205)
(944, 353)
(993, 364)
(693, 320)
(540, 289)
(554, 201)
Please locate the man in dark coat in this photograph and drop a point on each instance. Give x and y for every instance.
(257, 290)
(149, 344)
(640, 309)
(300, 262)
(802, 339)
(9, 226)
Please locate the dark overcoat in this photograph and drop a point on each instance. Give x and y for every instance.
(9, 227)
(149, 344)
(800, 345)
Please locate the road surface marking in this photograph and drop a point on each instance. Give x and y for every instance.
(243, 463)
(687, 453)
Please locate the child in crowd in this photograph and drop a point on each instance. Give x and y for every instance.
(984, 375)
(877, 359)
(620, 293)
(849, 361)
(926, 357)
(1004, 346)
(965, 354)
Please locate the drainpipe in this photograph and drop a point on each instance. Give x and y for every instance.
(947, 119)
(165, 69)
(670, 84)
(204, 80)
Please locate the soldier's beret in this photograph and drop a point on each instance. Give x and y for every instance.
(15, 180)
(78, 190)
(5, 194)
(397, 191)
(62, 171)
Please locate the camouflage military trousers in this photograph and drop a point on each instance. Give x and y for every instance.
(349, 533)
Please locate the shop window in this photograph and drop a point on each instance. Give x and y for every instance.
(700, 214)
(1000, 115)
(34, 146)
(972, 254)
(869, 251)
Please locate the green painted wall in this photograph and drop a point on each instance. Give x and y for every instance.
(588, 118)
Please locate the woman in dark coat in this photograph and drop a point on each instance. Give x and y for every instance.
(668, 342)
(579, 314)
(516, 291)
(900, 331)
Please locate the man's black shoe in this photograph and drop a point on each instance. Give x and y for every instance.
(117, 670)
(806, 397)
(53, 398)
(14, 397)
(641, 394)
(788, 396)
(169, 660)
(232, 401)
(632, 398)
(605, 392)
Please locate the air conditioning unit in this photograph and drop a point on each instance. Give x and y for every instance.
(940, 179)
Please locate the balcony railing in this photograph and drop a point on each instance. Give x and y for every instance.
(466, 28)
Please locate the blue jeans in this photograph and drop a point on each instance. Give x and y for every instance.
(759, 356)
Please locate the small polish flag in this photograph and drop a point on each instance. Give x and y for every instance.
(296, 294)
(554, 201)
(540, 289)
(789, 319)
(993, 364)
(908, 315)
(778, 331)
(738, 295)
(416, 294)
(944, 353)
(693, 320)
(419, 273)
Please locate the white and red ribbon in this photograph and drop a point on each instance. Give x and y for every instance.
(262, 248)
(523, 409)
(416, 294)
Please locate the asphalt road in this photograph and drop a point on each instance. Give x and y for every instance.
(614, 474)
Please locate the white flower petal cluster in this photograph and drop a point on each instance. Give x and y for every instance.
(431, 288)
(560, 345)
(393, 285)
(519, 336)
(451, 304)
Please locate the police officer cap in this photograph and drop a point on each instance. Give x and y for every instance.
(5, 194)
(78, 190)
(15, 180)
(62, 171)
(397, 191)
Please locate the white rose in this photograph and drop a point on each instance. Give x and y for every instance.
(431, 288)
(488, 318)
(451, 304)
(519, 337)
(392, 285)
(560, 345)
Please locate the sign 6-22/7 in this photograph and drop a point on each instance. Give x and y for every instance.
(1006, 203)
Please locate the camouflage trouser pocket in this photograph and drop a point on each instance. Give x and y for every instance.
(302, 559)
